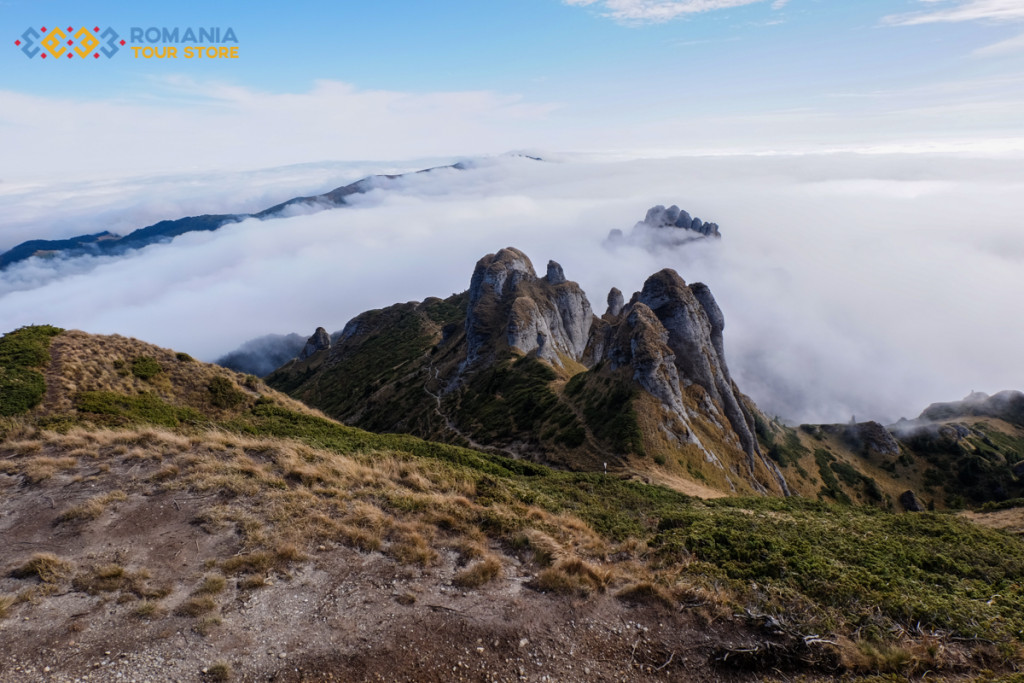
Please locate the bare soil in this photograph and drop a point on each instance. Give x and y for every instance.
(340, 615)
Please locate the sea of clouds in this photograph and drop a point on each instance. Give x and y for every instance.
(852, 284)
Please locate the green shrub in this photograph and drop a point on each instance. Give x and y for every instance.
(145, 408)
(146, 368)
(22, 351)
(224, 393)
(853, 565)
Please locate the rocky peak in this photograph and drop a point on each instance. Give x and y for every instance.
(665, 227)
(556, 275)
(318, 342)
(615, 302)
(674, 217)
(496, 273)
(509, 305)
(694, 324)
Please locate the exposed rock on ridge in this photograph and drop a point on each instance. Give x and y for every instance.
(509, 305)
(320, 341)
(521, 365)
(675, 342)
(665, 227)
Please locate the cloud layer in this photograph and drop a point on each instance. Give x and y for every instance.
(851, 284)
(237, 127)
(657, 11)
(953, 11)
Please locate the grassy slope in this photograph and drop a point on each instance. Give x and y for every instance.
(282, 479)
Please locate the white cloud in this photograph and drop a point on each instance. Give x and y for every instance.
(961, 10)
(851, 284)
(657, 11)
(1005, 47)
(235, 127)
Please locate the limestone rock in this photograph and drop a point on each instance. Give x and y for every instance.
(615, 303)
(651, 358)
(318, 342)
(665, 227)
(671, 338)
(507, 301)
(556, 275)
(872, 436)
(690, 338)
(910, 502)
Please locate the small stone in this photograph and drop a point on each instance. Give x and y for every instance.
(282, 655)
(524, 642)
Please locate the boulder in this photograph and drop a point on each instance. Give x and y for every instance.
(910, 502)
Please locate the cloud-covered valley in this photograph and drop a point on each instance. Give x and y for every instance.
(866, 284)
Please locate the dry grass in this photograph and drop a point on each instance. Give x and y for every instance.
(573, 577)
(212, 585)
(6, 602)
(218, 671)
(106, 363)
(195, 606)
(46, 567)
(646, 593)
(206, 624)
(41, 468)
(479, 573)
(92, 508)
(252, 582)
(112, 577)
(148, 609)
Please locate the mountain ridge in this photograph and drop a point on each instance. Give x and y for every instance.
(520, 364)
(108, 243)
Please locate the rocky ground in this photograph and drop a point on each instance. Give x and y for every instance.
(351, 616)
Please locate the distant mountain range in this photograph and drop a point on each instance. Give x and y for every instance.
(106, 243)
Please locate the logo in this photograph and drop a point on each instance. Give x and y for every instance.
(56, 43)
(177, 43)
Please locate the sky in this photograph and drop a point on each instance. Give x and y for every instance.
(864, 159)
(398, 79)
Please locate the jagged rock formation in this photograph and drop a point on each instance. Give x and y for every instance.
(320, 341)
(616, 302)
(665, 227)
(521, 364)
(510, 306)
(675, 343)
(674, 217)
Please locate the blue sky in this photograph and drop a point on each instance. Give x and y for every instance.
(462, 77)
